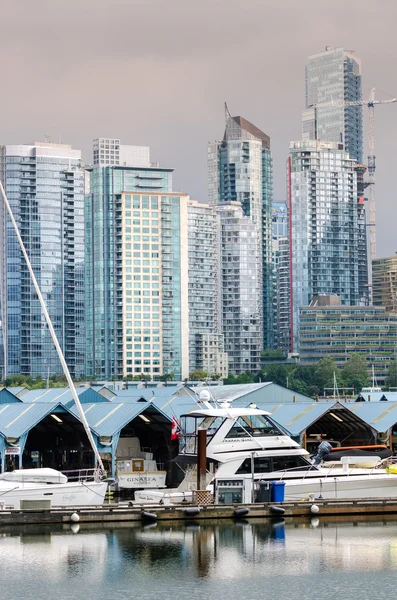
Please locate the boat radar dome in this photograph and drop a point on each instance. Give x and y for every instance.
(204, 396)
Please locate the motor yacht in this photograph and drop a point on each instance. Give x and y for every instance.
(246, 443)
(136, 467)
(48, 484)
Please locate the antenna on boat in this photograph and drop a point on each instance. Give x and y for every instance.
(52, 332)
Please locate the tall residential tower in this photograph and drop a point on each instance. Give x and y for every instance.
(44, 183)
(323, 222)
(334, 76)
(240, 170)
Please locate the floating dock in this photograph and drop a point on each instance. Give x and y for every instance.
(122, 513)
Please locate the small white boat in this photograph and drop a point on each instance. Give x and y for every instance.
(48, 484)
(136, 467)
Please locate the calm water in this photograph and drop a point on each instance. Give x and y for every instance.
(221, 561)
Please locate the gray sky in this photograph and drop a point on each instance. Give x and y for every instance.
(157, 72)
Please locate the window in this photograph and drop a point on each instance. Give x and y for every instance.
(253, 425)
(261, 465)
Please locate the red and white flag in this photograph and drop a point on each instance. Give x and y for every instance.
(175, 429)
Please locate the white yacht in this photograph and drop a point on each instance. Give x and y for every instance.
(48, 484)
(246, 444)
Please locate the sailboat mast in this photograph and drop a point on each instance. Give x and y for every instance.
(52, 332)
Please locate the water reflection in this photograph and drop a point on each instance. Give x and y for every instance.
(199, 559)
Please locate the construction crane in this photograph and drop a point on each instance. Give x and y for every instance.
(370, 103)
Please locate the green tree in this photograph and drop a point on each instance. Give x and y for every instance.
(391, 379)
(198, 375)
(273, 354)
(276, 373)
(241, 378)
(324, 373)
(355, 372)
(167, 377)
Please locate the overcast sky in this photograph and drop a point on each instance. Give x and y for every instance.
(157, 72)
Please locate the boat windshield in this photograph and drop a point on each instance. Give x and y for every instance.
(253, 425)
(189, 427)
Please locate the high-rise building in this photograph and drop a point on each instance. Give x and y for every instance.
(44, 183)
(334, 76)
(329, 329)
(109, 152)
(384, 283)
(104, 213)
(239, 288)
(147, 313)
(281, 273)
(206, 344)
(240, 170)
(324, 233)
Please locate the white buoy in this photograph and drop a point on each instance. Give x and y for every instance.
(75, 527)
(314, 509)
(74, 517)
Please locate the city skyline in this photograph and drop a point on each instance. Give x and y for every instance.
(202, 61)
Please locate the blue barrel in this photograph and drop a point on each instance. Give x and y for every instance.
(277, 491)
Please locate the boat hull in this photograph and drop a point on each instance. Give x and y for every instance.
(382, 485)
(135, 481)
(67, 494)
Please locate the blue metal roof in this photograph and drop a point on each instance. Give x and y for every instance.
(109, 419)
(148, 394)
(18, 419)
(254, 392)
(17, 391)
(379, 415)
(63, 395)
(7, 397)
(296, 418)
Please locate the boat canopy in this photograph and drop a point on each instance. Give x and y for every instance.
(45, 475)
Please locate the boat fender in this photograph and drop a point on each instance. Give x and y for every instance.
(74, 517)
(314, 509)
(240, 512)
(277, 510)
(149, 516)
(192, 510)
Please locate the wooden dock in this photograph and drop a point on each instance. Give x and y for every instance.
(124, 513)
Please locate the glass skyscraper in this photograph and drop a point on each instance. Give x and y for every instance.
(44, 183)
(240, 170)
(239, 288)
(206, 343)
(324, 232)
(334, 76)
(281, 271)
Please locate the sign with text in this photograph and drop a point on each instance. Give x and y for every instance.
(13, 451)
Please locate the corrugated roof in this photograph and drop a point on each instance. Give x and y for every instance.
(379, 415)
(6, 397)
(17, 419)
(108, 419)
(63, 395)
(148, 394)
(254, 392)
(376, 396)
(231, 392)
(296, 418)
(17, 391)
